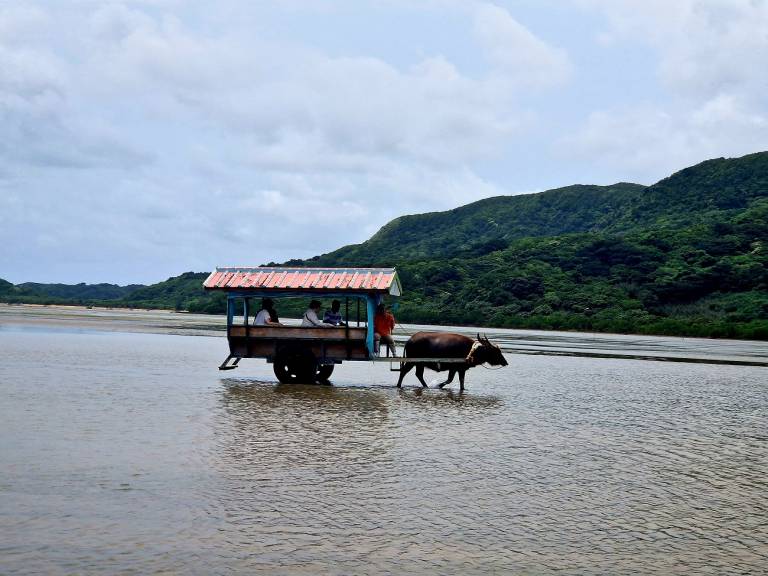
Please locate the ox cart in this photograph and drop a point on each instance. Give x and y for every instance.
(298, 353)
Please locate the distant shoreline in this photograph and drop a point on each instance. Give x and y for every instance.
(77, 319)
(472, 328)
(82, 307)
(112, 319)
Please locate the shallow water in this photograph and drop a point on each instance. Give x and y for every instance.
(131, 453)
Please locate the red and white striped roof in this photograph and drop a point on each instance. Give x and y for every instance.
(305, 280)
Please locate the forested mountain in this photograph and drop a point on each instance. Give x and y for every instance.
(177, 293)
(688, 256)
(708, 278)
(489, 223)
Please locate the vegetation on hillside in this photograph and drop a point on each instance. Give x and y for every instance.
(493, 221)
(686, 256)
(706, 279)
(83, 294)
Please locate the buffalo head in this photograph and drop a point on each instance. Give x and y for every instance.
(488, 353)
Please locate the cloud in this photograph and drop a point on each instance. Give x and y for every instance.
(711, 66)
(633, 143)
(522, 57)
(706, 47)
(158, 139)
(42, 125)
(292, 104)
(142, 139)
(19, 22)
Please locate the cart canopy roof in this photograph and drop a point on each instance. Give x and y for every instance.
(280, 280)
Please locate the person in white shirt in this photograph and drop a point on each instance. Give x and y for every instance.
(311, 318)
(267, 315)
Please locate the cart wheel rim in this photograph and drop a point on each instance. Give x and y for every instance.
(296, 366)
(323, 372)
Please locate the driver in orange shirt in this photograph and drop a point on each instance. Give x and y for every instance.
(383, 326)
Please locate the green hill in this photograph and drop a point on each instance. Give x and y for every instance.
(686, 256)
(706, 279)
(489, 223)
(35, 293)
(80, 291)
(182, 292)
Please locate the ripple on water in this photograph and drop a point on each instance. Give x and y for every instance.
(130, 453)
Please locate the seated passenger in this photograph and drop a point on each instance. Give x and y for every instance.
(333, 316)
(267, 315)
(310, 318)
(383, 325)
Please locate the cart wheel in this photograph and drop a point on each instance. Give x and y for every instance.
(295, 365)
(324, 372)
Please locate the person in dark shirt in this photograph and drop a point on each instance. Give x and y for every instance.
(333, 316)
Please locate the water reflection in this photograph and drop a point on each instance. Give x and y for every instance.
(297, 463)
(258, 394)
(430, 399)
(333, 471)
(329, 429)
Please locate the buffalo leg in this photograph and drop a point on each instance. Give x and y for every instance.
(420, 376)
(404, 369)
(451, 374)
(461, 379)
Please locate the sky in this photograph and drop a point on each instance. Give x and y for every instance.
(140, 140)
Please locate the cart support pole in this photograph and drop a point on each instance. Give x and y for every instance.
(346, 328)
(371, 311)
(230, 313)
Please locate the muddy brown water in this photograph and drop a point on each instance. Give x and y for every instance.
(123, 451)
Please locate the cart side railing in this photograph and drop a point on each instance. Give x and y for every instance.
(328, 345)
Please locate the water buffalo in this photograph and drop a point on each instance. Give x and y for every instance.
(448, 345)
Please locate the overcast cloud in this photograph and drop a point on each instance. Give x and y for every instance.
(144, 139)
